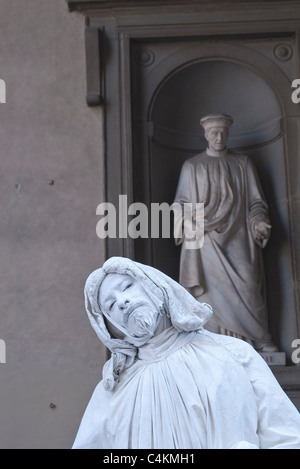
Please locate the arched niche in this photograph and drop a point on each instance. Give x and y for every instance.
(168, 101)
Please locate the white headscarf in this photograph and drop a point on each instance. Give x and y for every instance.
(186, 313)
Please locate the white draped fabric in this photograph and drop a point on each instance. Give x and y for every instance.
(190, 390)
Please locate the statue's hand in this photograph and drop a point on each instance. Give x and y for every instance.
(261, 232)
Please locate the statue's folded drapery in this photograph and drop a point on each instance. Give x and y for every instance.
(227, 271)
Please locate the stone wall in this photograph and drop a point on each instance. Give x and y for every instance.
(51, 183)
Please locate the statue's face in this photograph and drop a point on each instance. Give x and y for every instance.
(217, 138)
(125, 300)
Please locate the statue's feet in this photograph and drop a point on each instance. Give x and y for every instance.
(270, 348)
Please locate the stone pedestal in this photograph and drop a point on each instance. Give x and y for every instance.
(274, 358)
(289, 379)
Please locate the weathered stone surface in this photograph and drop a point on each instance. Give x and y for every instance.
(274, 358)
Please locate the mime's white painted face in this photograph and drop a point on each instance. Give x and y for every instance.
(125, 300)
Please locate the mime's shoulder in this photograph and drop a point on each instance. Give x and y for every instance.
(239, 349)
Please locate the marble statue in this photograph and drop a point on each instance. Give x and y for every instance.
(227, 271)
(170, 383)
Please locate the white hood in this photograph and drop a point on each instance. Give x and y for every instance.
(186, 313)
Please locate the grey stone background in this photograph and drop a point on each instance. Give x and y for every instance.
(52, 179)
(51, 170)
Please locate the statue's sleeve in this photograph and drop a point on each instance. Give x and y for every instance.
(278, 419)
(185, 194)
(258, 208)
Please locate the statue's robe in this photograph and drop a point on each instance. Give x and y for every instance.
(192, 390)
(227, 271)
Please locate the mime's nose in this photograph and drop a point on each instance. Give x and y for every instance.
(123, 304)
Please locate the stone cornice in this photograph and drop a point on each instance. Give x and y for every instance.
(276, 5)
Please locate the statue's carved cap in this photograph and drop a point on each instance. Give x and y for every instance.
(216, 120)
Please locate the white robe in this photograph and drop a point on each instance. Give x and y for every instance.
(192, 390)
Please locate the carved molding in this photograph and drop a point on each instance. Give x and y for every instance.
(94, 38)
(255, 5)
(83, 4)
(283, 52)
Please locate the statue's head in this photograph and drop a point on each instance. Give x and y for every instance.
(125, 303)
(216, 128)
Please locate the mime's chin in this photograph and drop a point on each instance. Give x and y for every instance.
(141, 323)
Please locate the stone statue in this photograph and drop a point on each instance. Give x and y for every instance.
(170, 383)
(227, 271)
